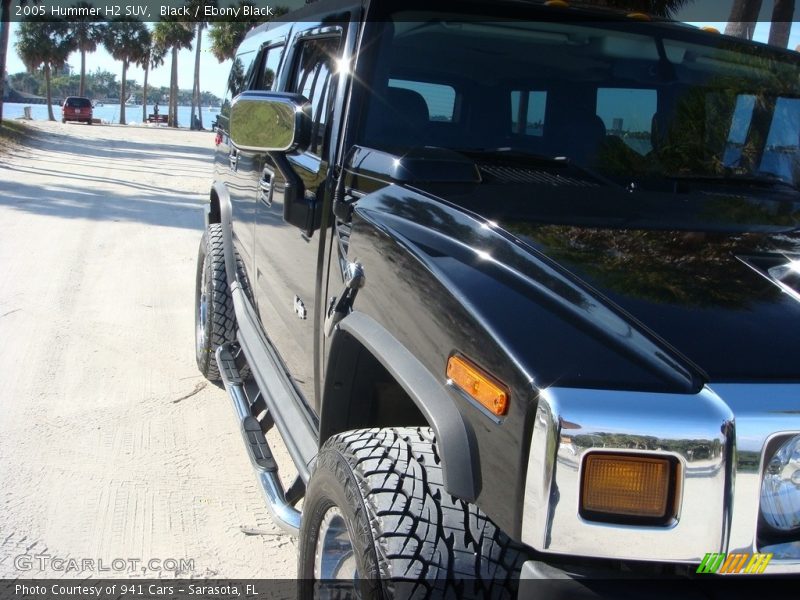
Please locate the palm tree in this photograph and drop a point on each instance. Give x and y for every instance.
(173, 35)
(5, 24)
(126, 41)
(782, 15)
(88, 34)
(744, 15)
(152, 58)
(661, 8)
(197, 7)
(44, 43)
(227, 35)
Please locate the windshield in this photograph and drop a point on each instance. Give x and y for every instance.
(621, 98)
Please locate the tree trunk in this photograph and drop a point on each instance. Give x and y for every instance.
(781, 28)
(743, 17)
(5, 17)
(173, 90)
(49, 95)
(191, 111)
(83, 73)
(122, 98)
(144, 90)
(177, 92)
(197, 75)
(192, 105)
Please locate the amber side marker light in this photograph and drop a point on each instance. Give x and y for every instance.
(627, 488)
(478, 385)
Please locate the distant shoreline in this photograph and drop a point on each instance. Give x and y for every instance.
(109, 113)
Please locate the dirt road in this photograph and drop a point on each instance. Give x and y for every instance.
(112, 446)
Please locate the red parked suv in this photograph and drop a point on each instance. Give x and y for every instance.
(76, 108)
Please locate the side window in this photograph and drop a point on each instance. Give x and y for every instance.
(440, 98)
(780, 154)
(312, 78)
(527, 112)
(269, 67)
(740, 125)
(628, 114)
(241, 73)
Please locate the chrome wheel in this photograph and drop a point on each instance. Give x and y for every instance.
(201, 317)
(334, 557)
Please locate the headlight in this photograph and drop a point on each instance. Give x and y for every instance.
(780, 490)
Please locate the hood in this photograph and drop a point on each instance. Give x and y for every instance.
(705, 279)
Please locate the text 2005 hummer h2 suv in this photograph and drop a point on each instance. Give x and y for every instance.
(517, 283)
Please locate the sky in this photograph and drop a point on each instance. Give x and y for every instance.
(214, 75)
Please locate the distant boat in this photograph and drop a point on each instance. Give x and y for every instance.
(213, 109)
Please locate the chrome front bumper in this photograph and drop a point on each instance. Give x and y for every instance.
(718, 436)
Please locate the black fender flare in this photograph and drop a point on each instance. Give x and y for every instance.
(225, 212)
(456, 441)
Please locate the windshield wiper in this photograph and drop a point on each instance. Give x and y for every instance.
(763, 179)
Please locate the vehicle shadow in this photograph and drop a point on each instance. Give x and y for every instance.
(109, 147)
(107, 179)
(76, 201)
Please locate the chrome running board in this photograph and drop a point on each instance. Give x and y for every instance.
(286, 516)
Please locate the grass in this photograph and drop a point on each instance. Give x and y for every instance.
(13, 133)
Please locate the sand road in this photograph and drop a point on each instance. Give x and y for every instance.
(111, 443)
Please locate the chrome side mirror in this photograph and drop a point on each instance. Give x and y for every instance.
(270, 122)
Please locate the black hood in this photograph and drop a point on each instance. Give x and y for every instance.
(693, 280)
(713, 271)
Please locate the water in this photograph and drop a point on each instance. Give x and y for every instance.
(108, 113)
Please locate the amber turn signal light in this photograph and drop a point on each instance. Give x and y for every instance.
(478, 385)
(624, 486)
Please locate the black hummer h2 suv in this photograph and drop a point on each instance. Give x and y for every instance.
(518, 284)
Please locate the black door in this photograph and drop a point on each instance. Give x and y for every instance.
(286, 259)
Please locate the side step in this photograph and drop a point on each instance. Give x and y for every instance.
(284, 514)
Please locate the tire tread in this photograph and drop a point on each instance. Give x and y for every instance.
(221, 312)
(429, 543)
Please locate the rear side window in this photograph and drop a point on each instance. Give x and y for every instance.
(269, 67)
(628, 114)
(78, 102)
(440, 98)
(312, 78)
(527, 112)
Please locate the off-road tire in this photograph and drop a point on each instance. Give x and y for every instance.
(411, 539)
(220, 325)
